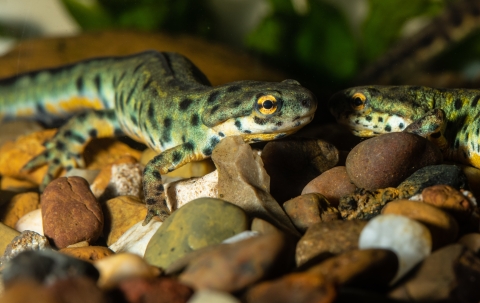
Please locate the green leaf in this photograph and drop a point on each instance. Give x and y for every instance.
(268, 37)
(89, 15)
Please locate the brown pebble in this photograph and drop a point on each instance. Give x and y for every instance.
(28, 291)
(70, 212)
(322, 240)
(388, 159)
(295, 287)
(308, 209)
(159, 290)
(333, 184)
(442, 226)
(88, 253)
(450, 200)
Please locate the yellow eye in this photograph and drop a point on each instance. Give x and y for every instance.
(267, 105)
(358, 101)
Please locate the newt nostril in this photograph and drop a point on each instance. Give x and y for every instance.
(306, 103)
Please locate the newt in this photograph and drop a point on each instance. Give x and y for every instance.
(160, 99)
(448, 117)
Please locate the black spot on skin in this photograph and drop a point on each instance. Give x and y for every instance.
(297, 124)
(368, 118)
(194, 121)
(167, 122)
(98, 83)
(137, 67)
(213, 97)
(233, 88)
(56, 161)
(465, 155)
(39, 108)
(150, 112)
(118, 131)
(156, 174)
(238, 124)
(60, 146)
(176, 157)
(223, 135)
(80, 139)
(279, 136)
(261, 121)
(93, 133)
(401, 126)
(236, 103)
(133, 119)
(457, 144)
(67, 134)
(160, 188)
(82, 117)
(46, 154)
(183, 138)
(79, 83)
(388, 128)
(214, 109)
(458, 104)
(185, 104)
(150, 201)
(111, 115)
(68, 167)
(247, 131)
(189, 146)
(436, 135)
(475, 101)
(380, 119)
(213, 142)
(357, 121)
(147, 84)
(296, 118)
(279, 123)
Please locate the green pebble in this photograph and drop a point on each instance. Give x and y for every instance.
(201, 222)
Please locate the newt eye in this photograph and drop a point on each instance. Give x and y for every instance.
(267, 105)
(358, 101)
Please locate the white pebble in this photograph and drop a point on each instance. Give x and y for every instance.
(87, 174)
(241, 236)
(212, 296)
(136, 238)
(31, 221)
(409, 239)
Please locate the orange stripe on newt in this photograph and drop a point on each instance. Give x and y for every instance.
(73, 104)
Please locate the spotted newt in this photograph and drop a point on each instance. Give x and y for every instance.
(448, 117)
(160, 99)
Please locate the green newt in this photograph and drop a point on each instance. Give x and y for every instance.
(160, 99)
(448, 117)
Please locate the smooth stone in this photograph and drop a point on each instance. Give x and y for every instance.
(26, 241)
(292, 162)
(409, 239)
(212, 296)
(322, 240)
(7, 234)
(20, 205)
(87, 174)
(200, 223)
(472, 242)
(77, 289)
(263, 227)
(295, 287)
(365, 268)
(159, 290)
(70, 212)
(450, 200)
(443, 228)
(135, 240)
(121, 213)
(243, 181)
(87, 253)
(439, 278)
(386, 160)
(31, 221)
(46, 266)
(233, 267)
(333, 184)
(115, 268)
(309, 209)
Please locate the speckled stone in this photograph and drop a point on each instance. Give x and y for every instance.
(200, 223)
(308, 209)
(386, 160)
(20, 205)
(26, 241)
(87, 253)
(291, 163)
(70, 212)
(322, 240)
(333, 184)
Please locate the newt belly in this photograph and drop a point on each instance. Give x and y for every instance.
(159, 99)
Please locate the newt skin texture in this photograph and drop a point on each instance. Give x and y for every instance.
(448, 117)
(159, 99)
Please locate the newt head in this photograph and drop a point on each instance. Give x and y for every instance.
(260, 111)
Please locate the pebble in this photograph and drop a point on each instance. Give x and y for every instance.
(292, 162)
(200, 223)
(31, 221)
(295, 287)
(70, 212)
(26, 241)
(20, 205)
(28, 291)
(443, 228)
(450, 200)
(159, 290)
(121, 213)
(386, 160)
(472, 242)
(119, 267)
(7, 234)
(322, 240)
(87, 253)
(333, 184)
(263, 227)
(17, 185)
(46, 267)
(233, 267)
(409, 239)
(362, 268)
(88, 174)
(439, 278)
(243, 181)
(135, 240)
(473, 176)
(308, 209)
(77, 289)
(212, 296)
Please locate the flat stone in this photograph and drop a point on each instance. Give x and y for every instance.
(70, 212)
(333, 184)
(387, 160)
(135, 240)
(292, 162)
(243, 181)
(7, 234)
(200, 223)
(26, 241)
(87, 253)
(322, 240)
(232, 267)
(159, 290)
(20, 205)
(443, 228)
(121, 213)
(308, 209)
